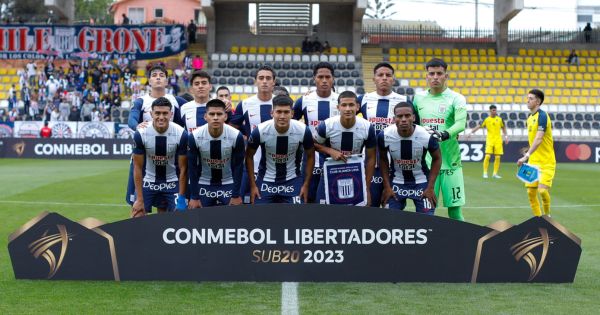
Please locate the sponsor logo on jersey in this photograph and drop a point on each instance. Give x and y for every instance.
(215, 194)
(160, 187)
(281, 158)
(433, 120)
(406, 165)
(216, 163)
(161, 160)
(407, 192)
(277, 189)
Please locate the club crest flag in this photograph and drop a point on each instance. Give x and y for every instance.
(528, 173)
(345, 182)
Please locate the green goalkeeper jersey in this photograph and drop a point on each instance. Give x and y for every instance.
(444, 112)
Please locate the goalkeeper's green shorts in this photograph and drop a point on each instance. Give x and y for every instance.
(452, 186)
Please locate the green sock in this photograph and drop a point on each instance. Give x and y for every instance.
(455, 213)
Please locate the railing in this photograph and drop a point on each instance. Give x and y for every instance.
(376, 34)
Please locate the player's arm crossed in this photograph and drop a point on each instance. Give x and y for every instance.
(384, 167)
(370, 144)
(309, 149)
(237, 160)
(436, 164)
(253, 145)
(139, 153)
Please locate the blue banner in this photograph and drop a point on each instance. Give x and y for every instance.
(91, 41)
(345, 182)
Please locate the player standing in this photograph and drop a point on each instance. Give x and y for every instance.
(192, 112)
(344, 135)
(493, 141)
(252, 111)
(220, 150)
(540, 152)
(141, 112)
(407, 145)
(377, 107)
(158, 146)
(282, 142)
(445, 113)
(315, 107)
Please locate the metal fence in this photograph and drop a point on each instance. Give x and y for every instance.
(377, 34)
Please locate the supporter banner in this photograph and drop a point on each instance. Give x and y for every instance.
(565, 151)
(91, 41)
(345, 181)
(281, 242)
(27, 129)
(89, 149)
(63, 129)
(6, 129)
(96, 129)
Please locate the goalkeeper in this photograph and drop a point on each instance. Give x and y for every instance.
(444, 112)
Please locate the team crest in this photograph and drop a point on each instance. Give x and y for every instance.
(61, 130)
(442, 109)
(345, 188)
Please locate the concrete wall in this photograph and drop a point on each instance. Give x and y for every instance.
(231, 26)
(182, 13)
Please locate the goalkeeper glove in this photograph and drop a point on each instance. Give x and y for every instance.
(439, 136)
(181, 203)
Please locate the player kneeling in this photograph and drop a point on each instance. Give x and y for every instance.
(281, 141)
(161, 143)
(407, 145)
(219, 149)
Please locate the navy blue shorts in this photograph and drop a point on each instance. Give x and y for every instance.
(159, 195)
(215, 195)
(286, 192)
(410, 191)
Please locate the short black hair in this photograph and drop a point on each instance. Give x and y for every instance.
(280, 90)
(266, 68)
(539, 94)
(404, 105)
(161, 101)
(215, 103)
(283, 100)
(158, 66)
(383, 64)
(222, 87)
(348, 94)
(493, 107)
(199, 74)
(436, 62)
(323, 65)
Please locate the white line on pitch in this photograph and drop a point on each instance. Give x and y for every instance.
(289, 298)
(64, 203)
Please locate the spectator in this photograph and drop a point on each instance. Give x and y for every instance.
(75, 114)
(86, 111)
(125, 19)
(123, 62)
(326, 47)
(46, 132)
(95, 115)
(26, 98)
(55, 114)
(317, 46)
(31, 72)
(587, 32)
(192, 32)
(34, 110)
(306, 46)
(187, 62)
(198, 63)
(13, 115)
(573, 58)
(52, 86)
(12, 97)
(63, 108)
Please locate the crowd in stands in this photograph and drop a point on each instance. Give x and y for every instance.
(85, 90)
(315, 46)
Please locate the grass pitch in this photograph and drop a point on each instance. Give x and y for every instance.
(80, 189)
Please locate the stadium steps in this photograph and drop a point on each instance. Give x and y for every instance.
(371, 56)
(199, 49)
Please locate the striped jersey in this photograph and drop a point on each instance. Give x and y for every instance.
(142, 109)
(161, 151)
(408, 164)
(379, 110)
(316, 109)
(281, 152)
(248, 114)
(221, 158)
(192, 115)
(349, 141)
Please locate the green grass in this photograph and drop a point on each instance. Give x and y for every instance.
(80, 189)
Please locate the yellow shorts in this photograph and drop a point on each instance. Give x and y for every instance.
(494, 147)
(546, 175)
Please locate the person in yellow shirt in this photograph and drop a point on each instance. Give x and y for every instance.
(493, 142)
(540, 153)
